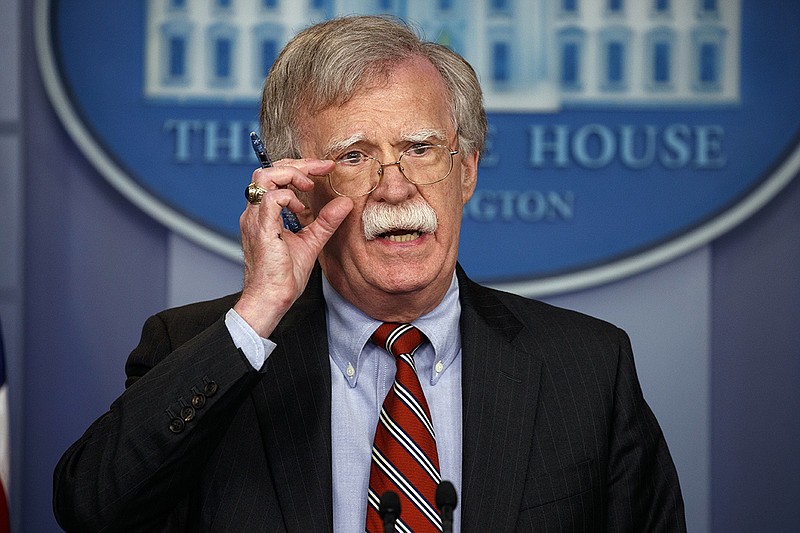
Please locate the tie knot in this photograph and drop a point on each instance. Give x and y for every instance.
(398, 338)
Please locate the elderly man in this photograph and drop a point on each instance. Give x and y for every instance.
(359, 366)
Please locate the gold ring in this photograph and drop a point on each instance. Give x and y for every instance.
(254, 193)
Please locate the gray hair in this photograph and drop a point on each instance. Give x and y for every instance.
(326, 64)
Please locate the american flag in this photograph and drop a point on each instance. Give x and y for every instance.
(5, 461)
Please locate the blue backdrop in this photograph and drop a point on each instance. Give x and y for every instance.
(92, 267)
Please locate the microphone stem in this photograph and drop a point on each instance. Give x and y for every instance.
(447, 520)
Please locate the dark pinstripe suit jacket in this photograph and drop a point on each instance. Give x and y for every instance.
(557, 436)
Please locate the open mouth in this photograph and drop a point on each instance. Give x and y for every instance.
(400, 235)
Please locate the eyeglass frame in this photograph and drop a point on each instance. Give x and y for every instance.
(382, 165)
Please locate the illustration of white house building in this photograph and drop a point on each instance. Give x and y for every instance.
(531, 55)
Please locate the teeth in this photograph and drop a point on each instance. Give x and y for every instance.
(406, 237)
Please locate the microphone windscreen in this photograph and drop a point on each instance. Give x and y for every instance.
(446, 495)
(390, 503)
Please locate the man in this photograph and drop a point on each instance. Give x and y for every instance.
(257, 411)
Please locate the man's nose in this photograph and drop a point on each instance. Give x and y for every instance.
(393, 186)
(384, 166)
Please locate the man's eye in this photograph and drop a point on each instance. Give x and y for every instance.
(419, 150)
(351, 158)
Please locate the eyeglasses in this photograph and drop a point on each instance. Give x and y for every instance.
(357, 174)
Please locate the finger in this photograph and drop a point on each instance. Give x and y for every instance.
(329, 219)
(293, 172)
(307, 166)
(273, 201)
(279, 178)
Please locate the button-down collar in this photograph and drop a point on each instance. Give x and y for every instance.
(349, 330)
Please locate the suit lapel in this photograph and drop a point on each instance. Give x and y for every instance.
(293, 402)
(500, 384)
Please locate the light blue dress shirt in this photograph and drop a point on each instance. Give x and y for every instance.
(361, 375)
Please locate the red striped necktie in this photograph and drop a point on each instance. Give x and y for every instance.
(404, 458)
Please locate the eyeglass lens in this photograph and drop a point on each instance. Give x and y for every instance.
(358, 174)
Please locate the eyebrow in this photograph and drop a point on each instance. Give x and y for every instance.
(337, 145)
(424, 135)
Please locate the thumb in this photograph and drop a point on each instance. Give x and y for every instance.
(329, 219)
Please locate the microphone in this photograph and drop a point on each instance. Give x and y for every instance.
(446, 501)
(389, 510)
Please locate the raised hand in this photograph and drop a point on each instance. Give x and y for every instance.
(277, 262)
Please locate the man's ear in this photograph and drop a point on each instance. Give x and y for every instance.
(469, 175)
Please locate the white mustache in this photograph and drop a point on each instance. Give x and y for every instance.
(380, 218)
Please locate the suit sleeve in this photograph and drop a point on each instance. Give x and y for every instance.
(643, 489)
(139, 460)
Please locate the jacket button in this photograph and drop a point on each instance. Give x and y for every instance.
(176, 425)
(187, 413)
(211, 388)
(198, 401)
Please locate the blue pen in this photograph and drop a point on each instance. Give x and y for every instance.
(290, 221)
